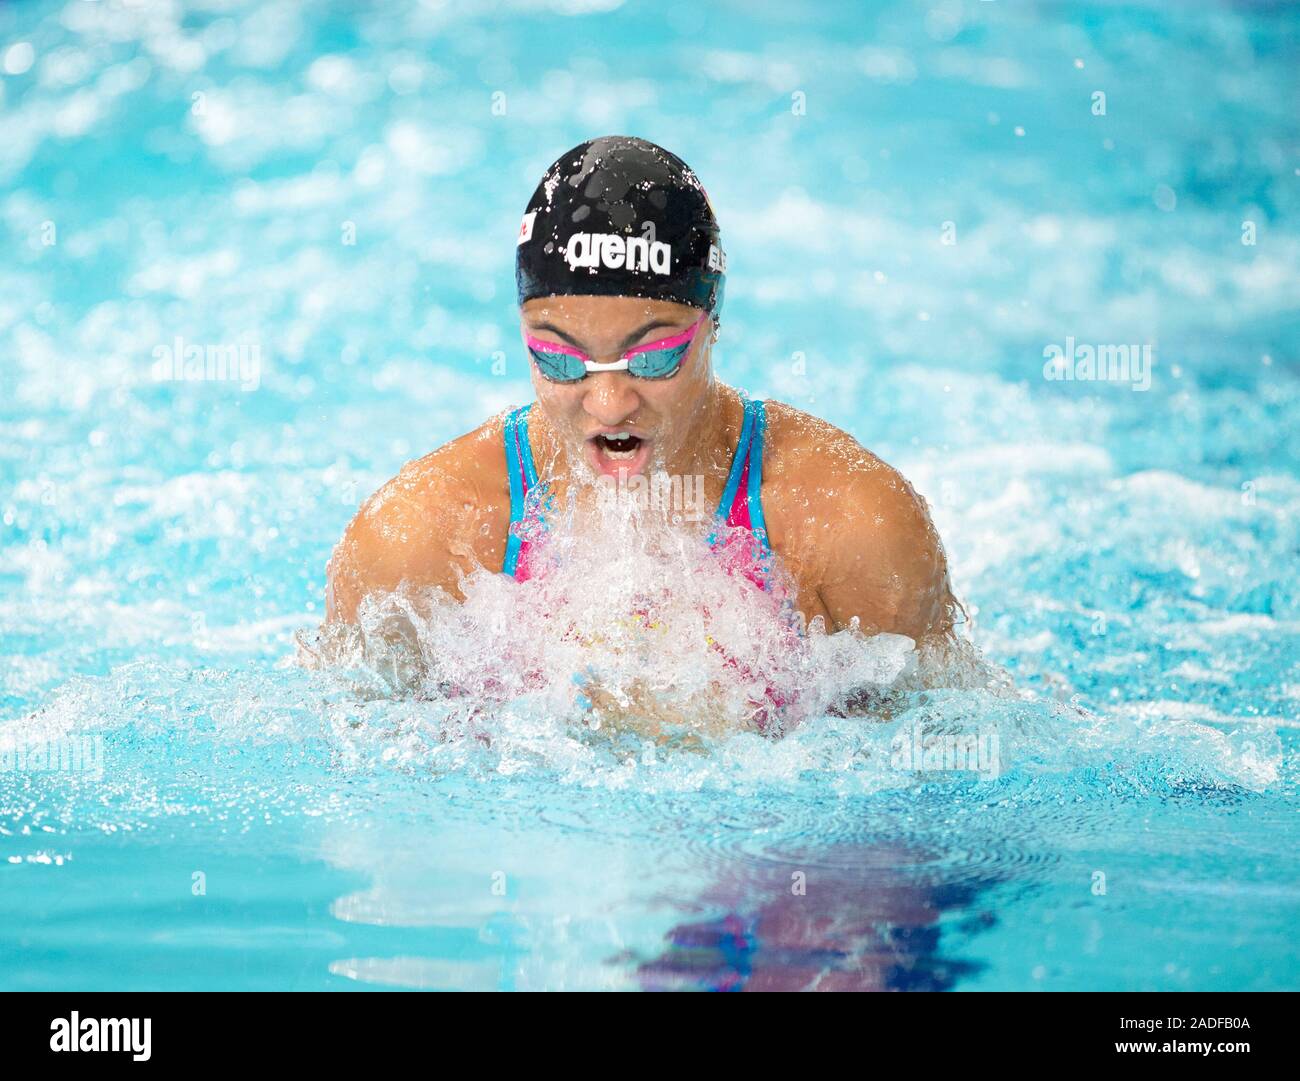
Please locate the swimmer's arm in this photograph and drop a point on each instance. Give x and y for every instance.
(886, 564)
(416, 530)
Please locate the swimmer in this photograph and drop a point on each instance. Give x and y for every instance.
(620, 271)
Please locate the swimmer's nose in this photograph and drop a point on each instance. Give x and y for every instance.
(611, 398)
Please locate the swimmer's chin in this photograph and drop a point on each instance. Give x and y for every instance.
(603, 464)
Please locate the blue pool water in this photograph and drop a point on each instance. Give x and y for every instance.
(918, 200)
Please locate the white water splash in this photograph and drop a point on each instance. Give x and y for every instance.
(625, 625)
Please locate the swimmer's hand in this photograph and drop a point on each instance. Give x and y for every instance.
(386, 650)
(641, 710)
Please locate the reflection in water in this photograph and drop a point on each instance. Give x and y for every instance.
(843, 920)
(567, 909)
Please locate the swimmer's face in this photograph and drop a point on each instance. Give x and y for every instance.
(658, 414)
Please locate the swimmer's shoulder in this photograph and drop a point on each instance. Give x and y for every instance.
(797, 439)
(442, 516)
(852, 524)
(811, 467)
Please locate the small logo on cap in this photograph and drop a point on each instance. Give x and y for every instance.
(526, 228)
(717, 259)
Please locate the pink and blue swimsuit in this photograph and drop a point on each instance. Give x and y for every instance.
(741, 505)
(739, 535)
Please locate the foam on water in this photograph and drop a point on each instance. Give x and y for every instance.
(636, 658)
(627, 622)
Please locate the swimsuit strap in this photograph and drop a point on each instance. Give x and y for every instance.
(523, 478)
(742, 500)
(741, 504)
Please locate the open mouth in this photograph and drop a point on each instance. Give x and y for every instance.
(613, 452)
(621, 447)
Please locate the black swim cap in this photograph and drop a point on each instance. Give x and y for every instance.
(619, 216)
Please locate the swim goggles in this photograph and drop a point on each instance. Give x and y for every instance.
(655, 360)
